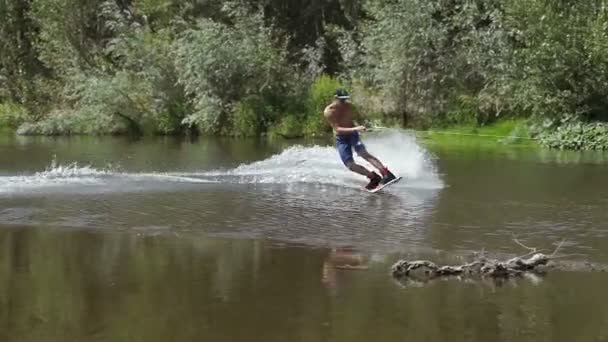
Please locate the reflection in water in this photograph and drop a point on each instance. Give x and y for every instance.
(84, 286)
(342, 258)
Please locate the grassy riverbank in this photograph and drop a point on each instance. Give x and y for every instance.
(507, 132)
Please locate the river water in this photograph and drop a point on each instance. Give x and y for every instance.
(166, 239)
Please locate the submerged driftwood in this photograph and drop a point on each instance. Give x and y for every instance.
(532, 262)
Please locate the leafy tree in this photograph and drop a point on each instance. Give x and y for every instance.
(221, 65)
(21, 69)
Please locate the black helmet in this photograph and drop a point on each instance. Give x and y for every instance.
(342, 94)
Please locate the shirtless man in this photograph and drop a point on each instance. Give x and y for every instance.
(340, 116)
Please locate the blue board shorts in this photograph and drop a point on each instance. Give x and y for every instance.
(346, 143)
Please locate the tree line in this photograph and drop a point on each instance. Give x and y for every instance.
(269, 67)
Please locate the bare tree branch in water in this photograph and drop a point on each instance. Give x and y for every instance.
(533, 262)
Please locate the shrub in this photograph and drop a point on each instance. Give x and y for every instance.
(560, 65)
(464, 111)
(103, 102)
(12, 115)
(289, 127)
(246, 120)
(321, 94)
(576, 136)
(67, 122)
(219, 65)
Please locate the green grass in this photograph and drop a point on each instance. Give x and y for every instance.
(6, 130)
(6, 135)
(506, 132)
(501, 128)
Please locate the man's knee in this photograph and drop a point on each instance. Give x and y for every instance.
(350, 164)
(364, 154)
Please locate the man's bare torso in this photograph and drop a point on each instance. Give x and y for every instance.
(340, 114)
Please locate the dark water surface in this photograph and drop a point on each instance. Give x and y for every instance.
(108, 239)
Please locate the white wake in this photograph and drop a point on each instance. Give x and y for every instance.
(297, 164)
(322, 164)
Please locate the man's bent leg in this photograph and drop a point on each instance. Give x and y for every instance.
(354, 167)
(374, 178)
(371, 159)
(362, 152)
(387, 176)
(345, 145)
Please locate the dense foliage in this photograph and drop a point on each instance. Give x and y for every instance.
(269, 66)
